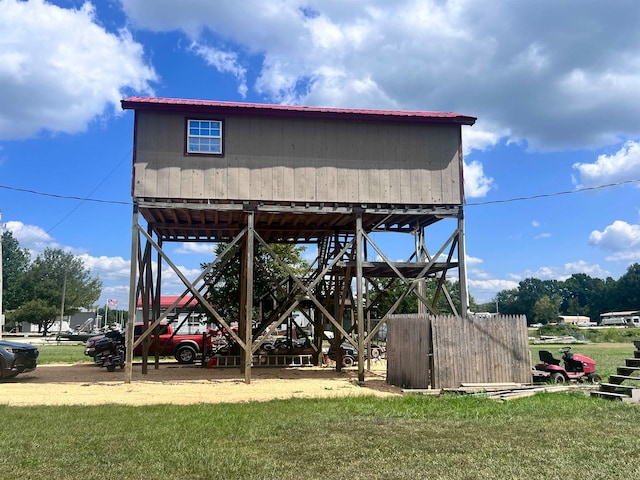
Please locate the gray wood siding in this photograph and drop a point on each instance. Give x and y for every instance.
(463, 350)
(292, 160)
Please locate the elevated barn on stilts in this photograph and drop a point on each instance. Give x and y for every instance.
(344, 180)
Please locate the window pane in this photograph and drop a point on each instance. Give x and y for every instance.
(204, 136)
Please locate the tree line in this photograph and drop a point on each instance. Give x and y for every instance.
(542, 301)
(33, 291)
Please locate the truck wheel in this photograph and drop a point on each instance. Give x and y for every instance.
(185, 354)
(557, 378)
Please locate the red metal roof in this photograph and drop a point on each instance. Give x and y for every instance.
(259, 109)
(167, 300)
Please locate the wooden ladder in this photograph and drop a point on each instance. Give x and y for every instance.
(615, 389)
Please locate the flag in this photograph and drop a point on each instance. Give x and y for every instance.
(112, 303)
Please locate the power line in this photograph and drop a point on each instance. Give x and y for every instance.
(474, 204)
(91, 192)
(65, 197)
(556, 194)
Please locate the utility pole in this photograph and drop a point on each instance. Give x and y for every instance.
(64, 291)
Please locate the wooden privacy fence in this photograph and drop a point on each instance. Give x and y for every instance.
(445, 351)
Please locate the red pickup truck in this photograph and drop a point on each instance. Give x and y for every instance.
(185, 348)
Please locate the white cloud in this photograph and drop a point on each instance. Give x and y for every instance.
(472, 261)
(483, 290)
(115, 273)
(171, 283)
(115, 292)
(110, 269)
(31, 237)
(620, 166)
(625, 257)
(196, 247)
(619, 236)
(59, 69)
(477, 137)
(535, 223)
(566, 270)
(224, 61)
(540, 72)
(476, 183)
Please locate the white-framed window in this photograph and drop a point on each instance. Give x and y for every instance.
(204, 136)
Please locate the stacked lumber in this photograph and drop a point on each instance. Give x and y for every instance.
(500, 391)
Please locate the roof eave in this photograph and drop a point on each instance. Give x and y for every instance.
(283, 111)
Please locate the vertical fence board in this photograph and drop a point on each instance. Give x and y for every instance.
(408, 348)
(463, 350)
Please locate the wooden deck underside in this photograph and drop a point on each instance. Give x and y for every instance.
(283, 223)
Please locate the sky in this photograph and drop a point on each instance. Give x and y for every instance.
(552, 165)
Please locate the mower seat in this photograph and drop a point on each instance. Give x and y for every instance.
(547, 357)
(573, 365)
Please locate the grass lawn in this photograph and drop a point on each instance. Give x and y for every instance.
(551, 436)
(63, 353)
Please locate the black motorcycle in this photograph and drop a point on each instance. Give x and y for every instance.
(110, 351)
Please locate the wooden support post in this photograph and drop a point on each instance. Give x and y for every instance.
(421, 257)
(147, 301)
(156, 303)
(248, 301)
(242, 305)
(359, 299)
(367, 298)
(462, 267)
(133, 296)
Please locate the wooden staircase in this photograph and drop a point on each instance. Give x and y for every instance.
(615, 389)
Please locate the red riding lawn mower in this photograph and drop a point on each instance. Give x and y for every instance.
(577, 368)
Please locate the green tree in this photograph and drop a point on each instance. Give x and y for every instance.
(584, 295)
(626, 294)
(386, 293)
(54, 272)
(35, 311)
(532, 289)
(506, 302)
(523, 299)
(15, 261)
(546, 309)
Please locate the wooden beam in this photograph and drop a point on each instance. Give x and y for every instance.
(133, 297)
(359, 299)
(248, 307)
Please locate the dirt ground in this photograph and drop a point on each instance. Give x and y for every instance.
(172, 383)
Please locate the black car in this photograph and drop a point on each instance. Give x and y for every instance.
(16, 358)
(350, 353)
